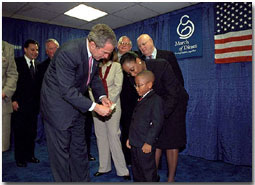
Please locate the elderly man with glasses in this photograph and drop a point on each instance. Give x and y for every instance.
(124, 45)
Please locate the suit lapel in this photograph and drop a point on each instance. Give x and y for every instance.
(94, 67)
(159, 54)
(25, 66)
(84, 54)
(86, 63)
(145, 98)
(36, 63)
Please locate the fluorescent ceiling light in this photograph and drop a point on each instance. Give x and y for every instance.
(85, 13)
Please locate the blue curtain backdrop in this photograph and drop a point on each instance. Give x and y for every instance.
(17, 31)
(219, 117)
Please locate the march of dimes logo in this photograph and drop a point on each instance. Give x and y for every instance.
(185, 30)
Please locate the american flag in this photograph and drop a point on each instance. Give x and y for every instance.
(233, 32)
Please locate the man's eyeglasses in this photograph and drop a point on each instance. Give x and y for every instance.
(139, 85)
(124, 43)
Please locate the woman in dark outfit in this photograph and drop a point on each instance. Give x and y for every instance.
(175, 97)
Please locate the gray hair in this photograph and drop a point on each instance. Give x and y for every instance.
(100, 34)
(51, 40)
(122, 37)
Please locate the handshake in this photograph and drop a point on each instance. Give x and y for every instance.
(113, 106)
(105, 109)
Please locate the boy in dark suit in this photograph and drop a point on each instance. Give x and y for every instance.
(146, 123)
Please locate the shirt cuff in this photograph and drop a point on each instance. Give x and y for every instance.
(92, 106)
(101, 97)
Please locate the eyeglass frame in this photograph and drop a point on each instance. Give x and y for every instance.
(139, 85)
(124, 43)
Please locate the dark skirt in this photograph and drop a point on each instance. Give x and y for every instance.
(173, 133)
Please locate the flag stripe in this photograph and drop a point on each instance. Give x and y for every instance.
(233, 49)
(234, 44)
(233, 54)
(233, 59)
(231, 39)
(233, 34)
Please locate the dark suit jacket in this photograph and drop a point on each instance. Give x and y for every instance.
(166, 84)
(64, 85)
(128, 97)
(26, 91)
(170, 57)
(147, 120)
(41, 69)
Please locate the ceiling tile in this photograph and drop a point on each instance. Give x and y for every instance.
(58, 7)
(112, 21)
(110, 7)
(67, 21)
(135, 13)
(120, 13)
(38, 13)
(87, 26)
(8, 9)
(164, 7)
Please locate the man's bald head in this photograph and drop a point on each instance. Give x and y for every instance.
(145, 44)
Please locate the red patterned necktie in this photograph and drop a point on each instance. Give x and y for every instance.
(140, 99)
(90, 64)
(103, 78)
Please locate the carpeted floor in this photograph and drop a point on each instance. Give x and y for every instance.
(190, 169)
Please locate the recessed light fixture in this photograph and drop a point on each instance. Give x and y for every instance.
(86, 13)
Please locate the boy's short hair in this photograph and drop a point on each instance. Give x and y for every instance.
(148, 75)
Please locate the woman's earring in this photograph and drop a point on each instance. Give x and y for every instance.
(140, 62)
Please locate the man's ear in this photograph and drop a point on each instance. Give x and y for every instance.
(92, 45)
(150, 84)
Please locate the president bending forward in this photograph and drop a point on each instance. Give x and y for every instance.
(73, 68)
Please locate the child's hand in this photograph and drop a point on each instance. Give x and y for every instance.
(127, 144)
(146, 148)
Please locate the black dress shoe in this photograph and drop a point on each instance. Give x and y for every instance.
(127, 177)
(91, 158)
(21, 164)
(158, 178)
(33, 160)
(99, 173)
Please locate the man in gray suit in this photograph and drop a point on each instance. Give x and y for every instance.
(9, 82)
(63, 104)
